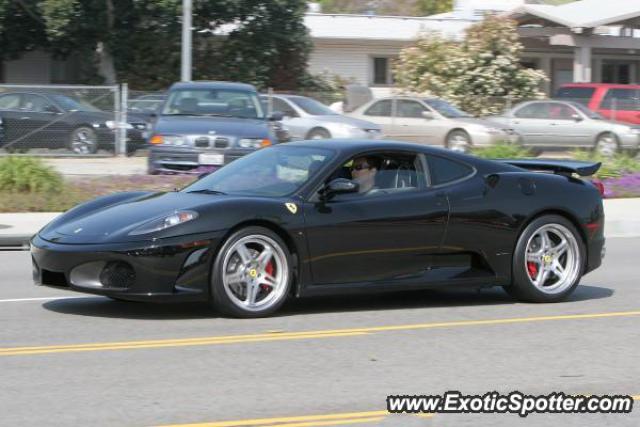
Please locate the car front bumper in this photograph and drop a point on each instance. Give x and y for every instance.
(629, 141)
(187, 160)
(176, 269)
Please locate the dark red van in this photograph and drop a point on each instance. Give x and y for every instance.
(614, 101)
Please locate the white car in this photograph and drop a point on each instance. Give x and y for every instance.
(432, 121)
(306, 118)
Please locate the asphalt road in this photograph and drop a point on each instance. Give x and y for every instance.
(81, 360)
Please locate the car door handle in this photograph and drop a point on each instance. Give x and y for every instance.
(25, 118)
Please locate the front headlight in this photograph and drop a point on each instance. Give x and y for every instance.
(168, 140)
(176, 218)
(254, 142)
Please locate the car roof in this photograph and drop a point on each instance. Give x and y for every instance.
(212, 85)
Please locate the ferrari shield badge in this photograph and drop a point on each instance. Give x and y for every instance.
(293, 208)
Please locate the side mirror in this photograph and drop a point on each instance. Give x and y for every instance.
(576, 117)
(428, 115)
(276, 116)
(338, 186)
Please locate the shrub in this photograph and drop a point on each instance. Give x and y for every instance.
(27, 174)
(502, 150)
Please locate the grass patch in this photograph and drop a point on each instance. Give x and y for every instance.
(502, 150)
(28, 175)
(612, 167)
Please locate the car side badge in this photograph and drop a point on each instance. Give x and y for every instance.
(293, 208)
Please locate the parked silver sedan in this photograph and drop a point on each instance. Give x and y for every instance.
(306, 118)
(564, 124)
(431, 121)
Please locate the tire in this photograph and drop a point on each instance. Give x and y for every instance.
(242, 262)
(319, 134)
(606, 144)
(458, 141)
(535, 267)
(83, 140)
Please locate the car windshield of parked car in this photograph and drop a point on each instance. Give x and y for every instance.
(312, 107)
(270, 172)
(446, 109)
(214, 102)
(70, 104)
(587, 112)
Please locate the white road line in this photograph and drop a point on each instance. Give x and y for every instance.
(41, 299)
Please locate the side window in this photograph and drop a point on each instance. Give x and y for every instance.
(380, 109)
(410, 109)
(561, 111)
(380, 174)
(10, 102)
(537, 110)
(36, 104)
(621, 99)
(444, 170)
(282, 106)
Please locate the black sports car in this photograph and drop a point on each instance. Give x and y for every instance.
(322, 217)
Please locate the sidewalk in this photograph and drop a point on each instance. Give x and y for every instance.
(622, 220)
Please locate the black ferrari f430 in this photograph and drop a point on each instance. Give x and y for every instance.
(328, 217)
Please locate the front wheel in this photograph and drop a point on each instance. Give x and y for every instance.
(548, 261)
(83, 140)
(606, 145)
(252, 274)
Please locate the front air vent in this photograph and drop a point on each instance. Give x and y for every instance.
(221, 142)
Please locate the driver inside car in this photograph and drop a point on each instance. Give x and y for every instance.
(363, 171)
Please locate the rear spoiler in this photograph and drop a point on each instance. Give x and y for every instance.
(560, 167)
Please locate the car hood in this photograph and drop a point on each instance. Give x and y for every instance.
(113, 223)
(362, 124)
(228, 126)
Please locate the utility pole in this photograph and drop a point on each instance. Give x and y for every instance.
(185, 64)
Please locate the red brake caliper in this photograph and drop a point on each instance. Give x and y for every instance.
(269, 270)
(532, 268)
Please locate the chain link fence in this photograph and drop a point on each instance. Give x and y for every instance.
(69, 120)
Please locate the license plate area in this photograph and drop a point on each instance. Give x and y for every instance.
(211, 159)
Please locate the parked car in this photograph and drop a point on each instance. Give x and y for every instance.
(334, 217)
(567, 124)
(431, 121)
(205, 125)
(146, 105)
(54, 120)
(613, 101)
(306, 118)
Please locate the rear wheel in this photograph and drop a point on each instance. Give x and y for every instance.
(83, 140)
(459, 141)
(319, 134)
(251, 274)
(548, 261)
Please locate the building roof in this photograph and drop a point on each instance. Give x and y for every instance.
(584, 13)
(375, 27)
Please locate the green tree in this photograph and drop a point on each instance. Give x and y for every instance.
(478, 74)
(21, 28)
(432, 7)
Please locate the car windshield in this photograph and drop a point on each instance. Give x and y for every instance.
(446, 109)
(70, 104)
(311, 106)
(270, 172)
(214, 102)
(587, 112)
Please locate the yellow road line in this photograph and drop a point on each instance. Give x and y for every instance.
(300, 421)
(234, 339)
